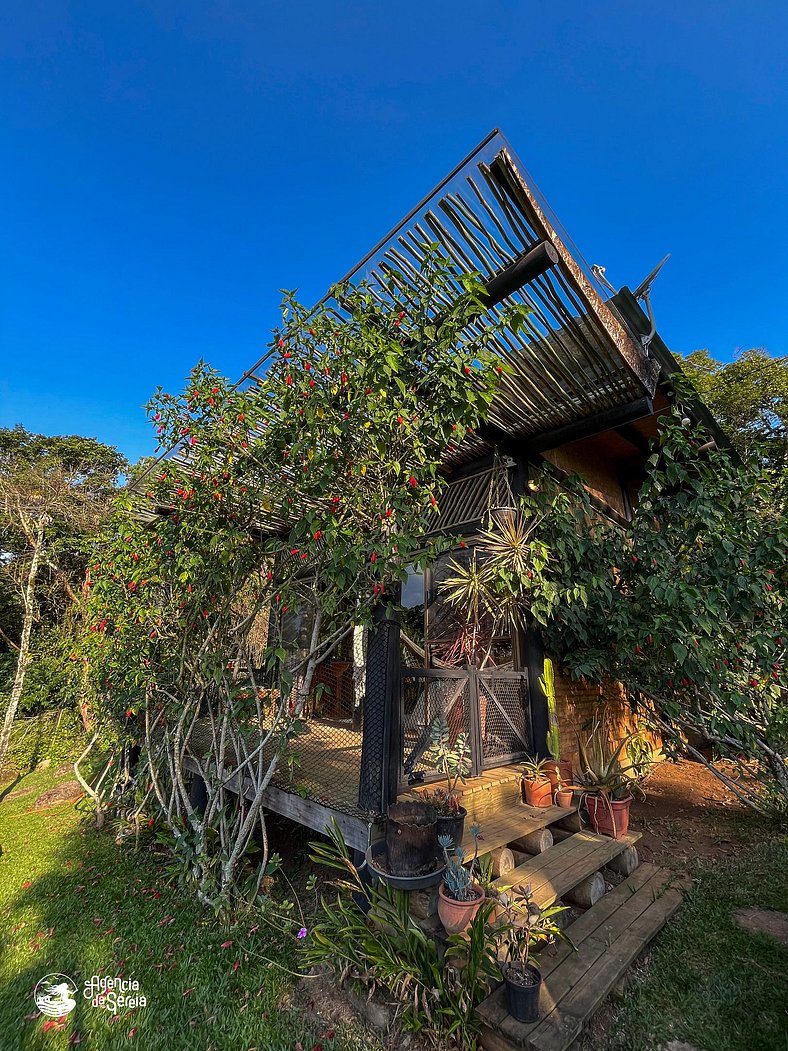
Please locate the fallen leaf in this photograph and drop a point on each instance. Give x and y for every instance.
(236, 965)
(225, 945)
(166, 921)
(26, 884)
(132, 1032)
(187, 991)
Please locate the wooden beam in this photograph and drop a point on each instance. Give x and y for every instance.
(305, 812)
(601, 421)
(530, 265)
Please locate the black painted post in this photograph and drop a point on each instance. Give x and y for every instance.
(381, 743)
(198, 794)
(528, 649)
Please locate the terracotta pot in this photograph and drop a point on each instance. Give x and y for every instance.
(456, 916)
(609, 817)
(564, 769)
(538, 793)
(564, 797)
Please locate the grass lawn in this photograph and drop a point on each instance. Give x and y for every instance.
(708, 982)
(73, 902)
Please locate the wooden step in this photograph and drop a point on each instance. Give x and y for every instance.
(564, 865)
(498, 828)
(607, 939)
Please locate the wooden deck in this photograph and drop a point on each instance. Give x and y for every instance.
(608, 938)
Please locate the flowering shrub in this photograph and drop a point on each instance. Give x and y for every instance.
(301, 499)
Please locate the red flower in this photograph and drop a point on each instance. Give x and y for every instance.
(281, 343)
(288, 380)
(373, 557)
(412, 482)
(318, 534)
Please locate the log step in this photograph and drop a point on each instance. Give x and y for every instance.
(506, 826)
(564, 865)
(608, 938)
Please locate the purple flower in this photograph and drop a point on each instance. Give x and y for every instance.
(301, 933)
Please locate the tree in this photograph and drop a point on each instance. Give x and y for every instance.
(748, 396)
(302, 498)
(53, 495)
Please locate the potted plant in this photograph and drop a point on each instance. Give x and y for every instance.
(559, 771)
(537, 789)
(459, 896)
(608, 782)
(524, 930)
(453, 760)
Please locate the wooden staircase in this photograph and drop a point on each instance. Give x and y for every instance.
(607, 937)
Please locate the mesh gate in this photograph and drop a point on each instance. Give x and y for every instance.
(505, 728)
(491, 707)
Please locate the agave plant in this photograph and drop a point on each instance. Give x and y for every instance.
(604, 771)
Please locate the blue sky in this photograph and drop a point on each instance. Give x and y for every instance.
(167, 166)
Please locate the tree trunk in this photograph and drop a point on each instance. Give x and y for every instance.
(23, 656)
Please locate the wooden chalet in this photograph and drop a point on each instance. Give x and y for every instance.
(587, 385)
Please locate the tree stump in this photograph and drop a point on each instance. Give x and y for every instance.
(502, 861)
(589, 891)
(535, 842)
(423, 903)
(625, 863)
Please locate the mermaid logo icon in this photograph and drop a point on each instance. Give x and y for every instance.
(54, 995)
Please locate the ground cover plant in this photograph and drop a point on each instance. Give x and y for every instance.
(72, 901)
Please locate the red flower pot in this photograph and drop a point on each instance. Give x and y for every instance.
(538, 793)
(609, 817)
(564, 797)
(456, 916)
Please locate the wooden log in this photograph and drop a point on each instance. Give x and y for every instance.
(502, 861)
(625, 863)
(588, 892)
(576, 822)
(535, 842)
(423, 903)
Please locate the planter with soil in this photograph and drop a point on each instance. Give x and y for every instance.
(523, 986)
(378, 865)
(537, 793)
(408, 857)
(457, 916)
(564, 797)
(609, 817)
(452, 825)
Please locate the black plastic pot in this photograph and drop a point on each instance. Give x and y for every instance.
(411, 838)
(452, 825)
(523, 1000)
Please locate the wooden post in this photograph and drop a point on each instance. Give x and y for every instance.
(381, 742)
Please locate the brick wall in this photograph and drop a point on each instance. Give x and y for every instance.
(579, 703)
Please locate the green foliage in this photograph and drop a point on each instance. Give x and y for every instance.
(603, 771)
(749, 398)
(302, 499)
(55, 735)
(451, 756)
(524, 928)
(535, 769)
(388, 951)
